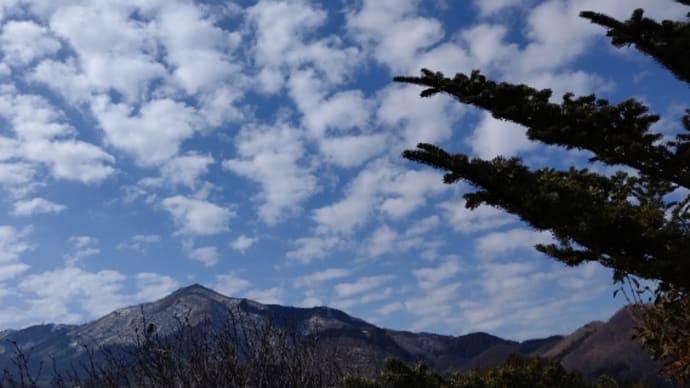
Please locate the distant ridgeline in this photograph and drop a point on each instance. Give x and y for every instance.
(197, 337)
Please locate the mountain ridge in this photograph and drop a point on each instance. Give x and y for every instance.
(581, 350)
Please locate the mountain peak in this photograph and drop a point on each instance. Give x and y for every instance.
(196, 289)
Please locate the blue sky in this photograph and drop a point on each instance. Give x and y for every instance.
(254, 147)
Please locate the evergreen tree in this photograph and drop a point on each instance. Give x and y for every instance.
(633, 224)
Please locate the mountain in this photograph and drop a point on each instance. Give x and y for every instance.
(592, 349)
(598, 348)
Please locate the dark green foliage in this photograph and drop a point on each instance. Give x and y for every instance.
(517, 372)
(521, 373)
(665, 330)
(625, 222)
(667, 42)
(397, 374)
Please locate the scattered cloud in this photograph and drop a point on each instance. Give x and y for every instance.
(492, 138)
(271, 157)
(279, 117)
(196, 216)
(152, 134)
(24, 41)
(390, 308)
(44, 137)
(207, 255)
(96, 294)
(13, 243)
(186, 169)
(36, 205)
(153, 286)
(431, 277)
(361, 285)
(498, 243)
(272, 295)
(139, 242)
(310, 248)
(242, 243)
(491, 7)
(483, 217)
(230, 284)
(392, 33)
(439, 288)
(321, 276)
(82, 246)
(382, 241)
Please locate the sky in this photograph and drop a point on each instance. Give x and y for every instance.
(254, 147)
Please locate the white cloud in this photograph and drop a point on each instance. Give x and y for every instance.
(36, 205)
(82, 246)
(408, 190)
(186, 169)
(271, 157)
(242, 243)
(139, 242)
(439, 289)
(266, 296)
(498, 243)
(431, 121)
(63, 77)
(196, 49)
(153, 286)
(380, 186)
(310, 301)
(310, 248)
(327, 118)
(510, 286)
(392, 33)
(432, 277)
(467, 221)
(576, 82)
(277, 33)
(18, 179)
(43, 136)
(534, 290)
(230, 284)
(114, 51)
(382, 241)
(433, 305)
(361, 285)
(376, 296)
(153, 134)
(487, 49)
(552, 25)
(73, 160)
(494, 137)
(207, 255)
(13, 243)
(352, 150)
(390, 308)
(23, 41)
(356, 207)
(197, 217)
(423, 226)
(321, 276)
(96, 293)
(12, 270)
(342, 111)
(282, 30)
(490, 7)
(146, 238)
